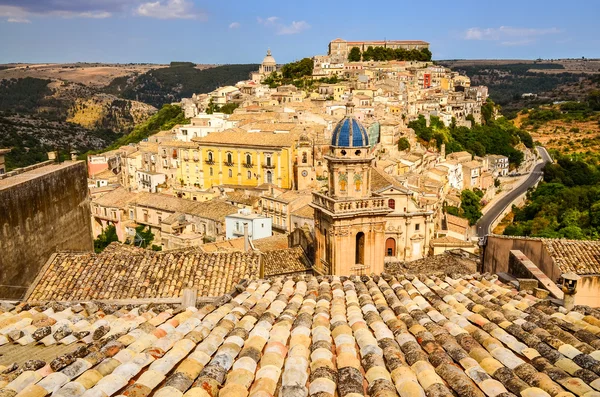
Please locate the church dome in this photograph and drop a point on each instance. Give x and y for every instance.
(269, 60)
(349, 132)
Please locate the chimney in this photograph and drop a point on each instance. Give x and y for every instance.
(569, 288)
(246, 238)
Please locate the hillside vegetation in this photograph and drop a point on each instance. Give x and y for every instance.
(165, 119)
(180, 80)
(508, 81)
(38, 115)
(565, 205)
(493, 137)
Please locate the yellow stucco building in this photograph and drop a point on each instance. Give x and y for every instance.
(241, 158)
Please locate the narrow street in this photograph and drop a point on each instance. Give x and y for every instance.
(483, 225)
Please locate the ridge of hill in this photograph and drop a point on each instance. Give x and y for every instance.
(158, 87)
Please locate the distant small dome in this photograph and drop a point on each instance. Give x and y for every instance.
(269, 60)
(349, 132)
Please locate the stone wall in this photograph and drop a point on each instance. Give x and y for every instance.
(41, 212)
(497, 251)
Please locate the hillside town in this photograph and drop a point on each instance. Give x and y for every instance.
(275, 158)
(324, 228)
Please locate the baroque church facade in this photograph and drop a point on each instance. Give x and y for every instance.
(349, 219)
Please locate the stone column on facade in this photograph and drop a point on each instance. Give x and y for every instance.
(239, 168)
(279, 184)
(259, 169)
(220, 167)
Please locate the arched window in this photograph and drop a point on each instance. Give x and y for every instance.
(390, 247)
(210, 157)
(359, 256)
(392, 204)
(248, 158)
(304, 158)
(249, 175)
(230, 173)
(229, 158)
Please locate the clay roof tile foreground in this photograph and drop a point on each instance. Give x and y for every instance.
(297, 335)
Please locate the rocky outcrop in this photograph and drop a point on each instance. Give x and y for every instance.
(109, 112)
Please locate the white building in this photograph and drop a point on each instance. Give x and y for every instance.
(202, 125)
(148, 180)
(455, 173)
(259, 226)
(498, 164)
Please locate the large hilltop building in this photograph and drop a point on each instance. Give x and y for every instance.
(340, 48)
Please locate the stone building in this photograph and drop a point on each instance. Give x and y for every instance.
(339, 48)
(349, 219)
(43, 208)
(268, 66)
(3, 152)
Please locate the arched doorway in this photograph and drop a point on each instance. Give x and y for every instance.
(390, 247)
(360, 248)
(269, 177)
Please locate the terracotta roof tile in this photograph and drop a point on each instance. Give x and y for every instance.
(319, 336)
(146, 274)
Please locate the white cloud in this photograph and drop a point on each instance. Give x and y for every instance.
(281, 28)
(234, 25)
(23, 14)
(508, 35)
(169, 9)
(18, 20)
(295, 27)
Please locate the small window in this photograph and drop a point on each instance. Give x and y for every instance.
(304, 158)
(210, 171)
(210, 157)
(248, 159)
(230, 173)
(417, 227)
(392, 203)
(229, 158)
(249, 175)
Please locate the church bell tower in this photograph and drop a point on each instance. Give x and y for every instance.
(349, 219)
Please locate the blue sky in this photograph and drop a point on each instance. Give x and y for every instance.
(240, 31)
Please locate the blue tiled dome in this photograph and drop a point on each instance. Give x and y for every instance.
(349, 132)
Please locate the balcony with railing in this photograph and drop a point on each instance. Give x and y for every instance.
(351, 206)
(268, 165)
(210, 161)
(229, 163)
(248, 165)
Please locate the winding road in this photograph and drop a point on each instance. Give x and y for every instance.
(483, 225)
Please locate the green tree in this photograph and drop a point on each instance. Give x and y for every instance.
(470, 206)
(144, 237)
(403, 144)
(108, 235)
(354, 55)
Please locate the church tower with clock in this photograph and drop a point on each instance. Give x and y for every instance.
(304, 166)
(350, 219)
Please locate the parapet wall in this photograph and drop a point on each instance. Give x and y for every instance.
(497, 252)
(41, 211)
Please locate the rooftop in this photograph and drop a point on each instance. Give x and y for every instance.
(27, 174)
(124, 274)
(238, 137)
(295, 335)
